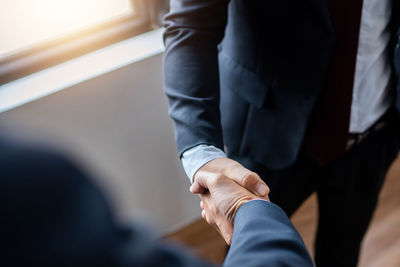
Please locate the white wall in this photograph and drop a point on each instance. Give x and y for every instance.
(118, 127)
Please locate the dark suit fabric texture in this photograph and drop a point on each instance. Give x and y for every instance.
(271, 57)
(347, 192)
(53, 215)
(244, 76)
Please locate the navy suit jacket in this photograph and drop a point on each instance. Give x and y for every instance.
(53, 215)
(246, 74)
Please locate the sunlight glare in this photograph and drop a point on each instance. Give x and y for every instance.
(27, 22)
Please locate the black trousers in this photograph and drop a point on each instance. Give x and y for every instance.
(347, 190)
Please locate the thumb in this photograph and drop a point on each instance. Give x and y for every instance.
(197, 188)
(255, 184)
(250, 180)
(199, 185)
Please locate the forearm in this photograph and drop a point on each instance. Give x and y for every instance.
(264, 234)
(193, 31)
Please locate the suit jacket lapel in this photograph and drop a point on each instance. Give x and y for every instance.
(321, 7)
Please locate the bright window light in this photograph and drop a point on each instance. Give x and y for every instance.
(24, 23)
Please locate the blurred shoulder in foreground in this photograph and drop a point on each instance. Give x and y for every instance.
(53, 215)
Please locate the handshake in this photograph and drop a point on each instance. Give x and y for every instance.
(223, 186)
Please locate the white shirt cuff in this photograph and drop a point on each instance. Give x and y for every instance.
(194, 158)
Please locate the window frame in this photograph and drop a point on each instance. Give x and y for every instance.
(58, 50)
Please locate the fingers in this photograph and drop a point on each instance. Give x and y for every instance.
(226, 230)
(223, 226)
(209, 211)
(215, 218)
(204, 215)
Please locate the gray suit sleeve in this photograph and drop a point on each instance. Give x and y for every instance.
(193, 30)
(264, 236)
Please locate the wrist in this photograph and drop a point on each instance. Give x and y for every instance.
(236, 206)
(196, 157)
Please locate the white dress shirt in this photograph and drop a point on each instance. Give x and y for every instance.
(371, 89)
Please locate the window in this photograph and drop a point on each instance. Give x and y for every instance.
(24, 23)
(37, 34)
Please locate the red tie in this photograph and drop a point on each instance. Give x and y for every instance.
(328, 128)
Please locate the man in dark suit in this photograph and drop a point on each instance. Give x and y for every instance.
(53, 215)
(304, 94)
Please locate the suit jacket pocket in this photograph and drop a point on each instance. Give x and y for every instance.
(246, 83)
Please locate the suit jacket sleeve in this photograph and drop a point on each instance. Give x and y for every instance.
(193, 30)
(264, 236)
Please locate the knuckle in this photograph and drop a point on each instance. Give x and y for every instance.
(245, 178)
(268, 189)
(249, 177)
(237, 165)
(217, 178)
(254, 174)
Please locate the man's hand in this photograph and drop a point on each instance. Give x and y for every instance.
(231, 169)
(224, 185)
(221, 202)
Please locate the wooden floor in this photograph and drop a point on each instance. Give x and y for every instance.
(381, 247)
